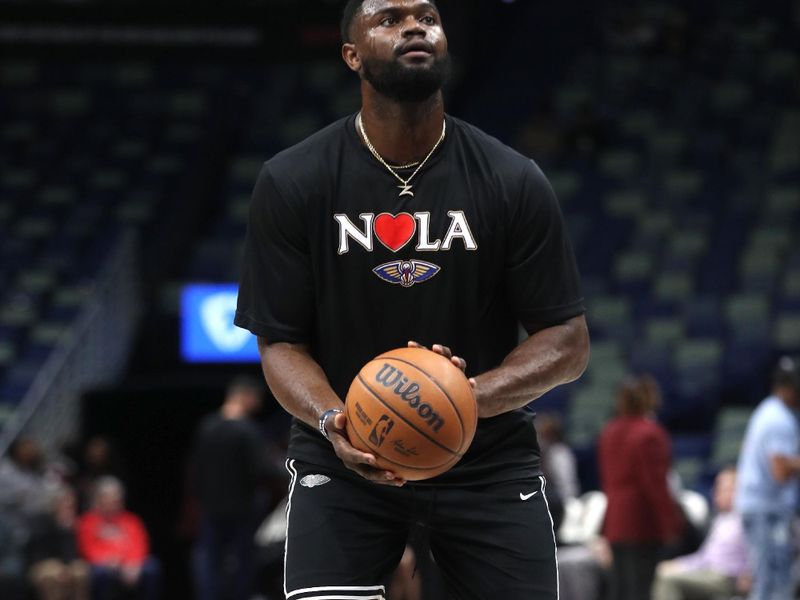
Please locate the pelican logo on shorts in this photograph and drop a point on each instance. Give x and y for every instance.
(408, 391)
(406, 272)
(382, 428)
(312, 481)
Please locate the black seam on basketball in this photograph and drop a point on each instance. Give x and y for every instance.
(438, 385)
(409, 423)
(412, 467)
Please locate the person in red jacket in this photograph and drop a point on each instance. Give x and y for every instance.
(642, 516)
(115, 543)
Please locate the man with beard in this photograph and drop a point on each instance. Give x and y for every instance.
(398, 223)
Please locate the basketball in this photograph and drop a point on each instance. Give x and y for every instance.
(414, 410)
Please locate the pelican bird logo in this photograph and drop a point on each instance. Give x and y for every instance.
(406, 272)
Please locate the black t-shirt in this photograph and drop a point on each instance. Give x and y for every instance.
(228, 466)
(49, 540)
(337, 259)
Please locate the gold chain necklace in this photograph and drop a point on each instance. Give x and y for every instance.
(405, 166)
(406, 187)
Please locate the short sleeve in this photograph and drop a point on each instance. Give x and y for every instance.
(541, 274)
(276, 291)
(782, 440)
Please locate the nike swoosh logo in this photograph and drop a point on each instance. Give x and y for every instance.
(524, 497)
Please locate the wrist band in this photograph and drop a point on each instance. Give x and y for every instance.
(323, 419)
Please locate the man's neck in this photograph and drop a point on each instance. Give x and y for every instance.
(401, 132)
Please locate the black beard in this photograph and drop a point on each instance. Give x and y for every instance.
(406, 84)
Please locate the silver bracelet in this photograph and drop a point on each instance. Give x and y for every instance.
(323, 418)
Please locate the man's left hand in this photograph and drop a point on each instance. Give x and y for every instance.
(447, 353)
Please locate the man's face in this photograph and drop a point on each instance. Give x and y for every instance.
(790, 394)
(402, 48)
(66, 505)
(29, 455)
(97, 452)
(110, 503)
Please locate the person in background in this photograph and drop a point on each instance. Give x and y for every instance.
(719, 568)
(558, 464)
(12, 561)
(98, 459)
(55, 569)
(25, 488)
(766, 492)
(642, 517)
(228, 465)
(115, 543)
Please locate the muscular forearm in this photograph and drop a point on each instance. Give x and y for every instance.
(297, 381)
(302, 388)
(548, 358)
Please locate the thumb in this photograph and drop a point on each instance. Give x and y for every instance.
(339, 421)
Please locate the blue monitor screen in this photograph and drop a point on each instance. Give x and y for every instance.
(207, 330)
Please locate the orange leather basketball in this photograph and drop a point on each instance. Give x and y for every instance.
(414, 410)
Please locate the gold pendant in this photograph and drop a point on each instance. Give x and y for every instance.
(406, 190)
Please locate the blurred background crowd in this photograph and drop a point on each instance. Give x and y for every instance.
(131, 134)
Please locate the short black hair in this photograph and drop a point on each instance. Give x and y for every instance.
(349, 13)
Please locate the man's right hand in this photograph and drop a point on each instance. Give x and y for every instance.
(354, 459)
(300, 385)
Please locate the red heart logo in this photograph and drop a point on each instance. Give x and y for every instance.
(394, 232)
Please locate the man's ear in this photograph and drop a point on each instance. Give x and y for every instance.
(351, 57)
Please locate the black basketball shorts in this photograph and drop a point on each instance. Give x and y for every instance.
(346, 535)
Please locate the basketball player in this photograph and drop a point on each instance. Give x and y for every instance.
(403, 223)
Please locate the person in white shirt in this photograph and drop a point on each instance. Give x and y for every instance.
(720, 567)
(767, 494)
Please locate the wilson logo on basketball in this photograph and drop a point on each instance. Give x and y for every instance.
(408, 391)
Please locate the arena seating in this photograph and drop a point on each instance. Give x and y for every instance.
(683, 193)
(88, 151)
(672, 143)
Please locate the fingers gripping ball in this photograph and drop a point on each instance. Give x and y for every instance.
(414, 410)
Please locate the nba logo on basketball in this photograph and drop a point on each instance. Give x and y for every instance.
(382, 428)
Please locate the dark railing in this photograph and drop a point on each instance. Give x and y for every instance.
(92, 351)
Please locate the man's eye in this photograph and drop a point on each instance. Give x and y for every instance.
(388, 21)
(429, 20)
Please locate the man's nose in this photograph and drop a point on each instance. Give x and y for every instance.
(411, 27)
